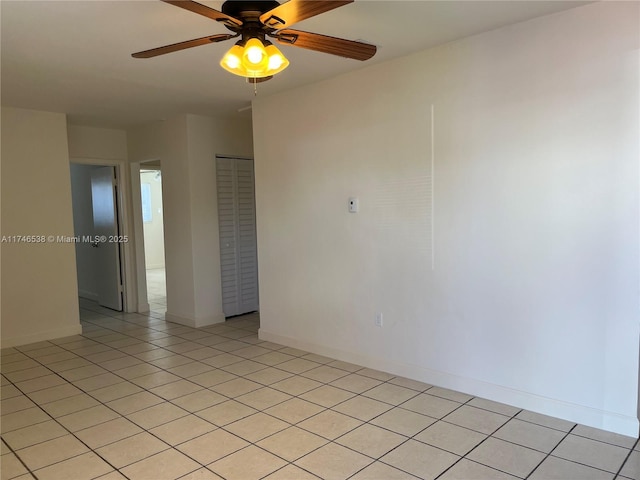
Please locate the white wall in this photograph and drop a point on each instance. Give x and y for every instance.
(154, 229)
(500, 241)
(94, 142)
(144, 142)
(39, 288)
(208, 137)
(178, 224)
(186, 145)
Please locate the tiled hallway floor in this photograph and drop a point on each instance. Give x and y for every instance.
(136, 397)
(157, 289)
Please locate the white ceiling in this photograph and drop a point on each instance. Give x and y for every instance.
(75, 56)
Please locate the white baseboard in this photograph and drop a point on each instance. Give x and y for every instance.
(88, 295)
(194, 322)
(144, 307)
(41, 336)
(593, 417)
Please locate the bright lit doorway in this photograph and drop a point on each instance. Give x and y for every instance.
(153, 225)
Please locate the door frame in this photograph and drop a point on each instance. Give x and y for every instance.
(127, 250)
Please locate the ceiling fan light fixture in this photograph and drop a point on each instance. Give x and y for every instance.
(254, 53)
(277, 61)
(254, 59)
(232, 60)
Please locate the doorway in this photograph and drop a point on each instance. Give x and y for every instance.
(153, 232)
(98, 234)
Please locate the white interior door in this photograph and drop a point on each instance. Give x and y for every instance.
(107, 249)
(238, 245)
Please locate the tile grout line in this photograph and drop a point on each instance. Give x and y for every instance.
(366, 422)
(297, 425)
(329, 441)
(551, 451)
(359, 394)
(130, 436)
(120, 416)
(166, 332)
(63, 427)
(19, 459)
(626, 459)
(144, 429)
(477, 445)
(570, 432)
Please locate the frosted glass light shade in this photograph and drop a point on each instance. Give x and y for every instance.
(254, 60)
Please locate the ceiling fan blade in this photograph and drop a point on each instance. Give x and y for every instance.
(208, 12)
(295, 11)
(326, 44)
(196, 42)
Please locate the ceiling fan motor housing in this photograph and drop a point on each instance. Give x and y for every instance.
(248, 9)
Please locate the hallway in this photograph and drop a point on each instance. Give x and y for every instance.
(157, 290)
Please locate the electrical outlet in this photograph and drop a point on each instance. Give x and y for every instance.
(378, 320)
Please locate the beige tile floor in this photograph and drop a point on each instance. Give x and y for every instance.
(139, 398)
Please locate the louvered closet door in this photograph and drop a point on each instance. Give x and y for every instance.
(237, 223)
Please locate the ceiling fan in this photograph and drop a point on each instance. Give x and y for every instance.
(254, 56)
